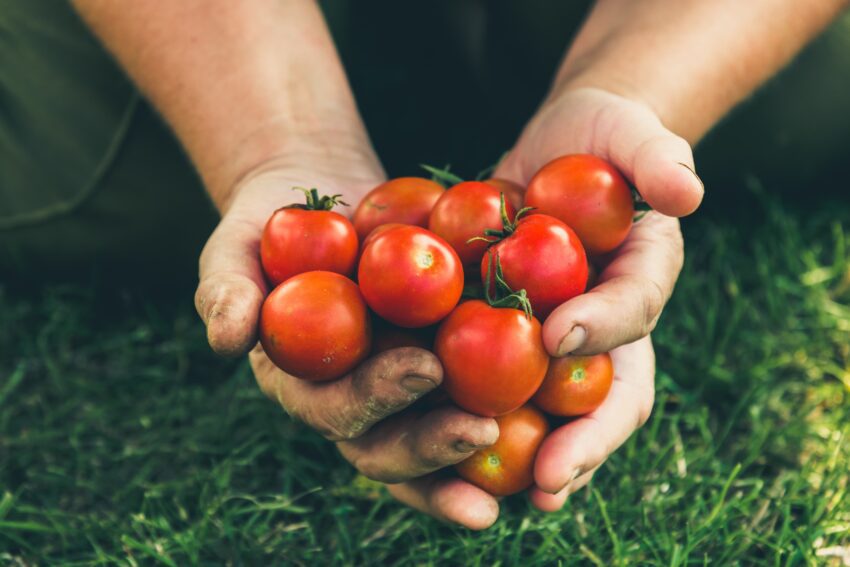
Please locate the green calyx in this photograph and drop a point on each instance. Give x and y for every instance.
(492, 236)
(315, 202)
(503, 295)
(442, 176)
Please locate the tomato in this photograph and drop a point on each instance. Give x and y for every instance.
(411, 277)
(589, 195)
(304, 238)
(575, 385)
(544, 257)
(378, 230)
(514, 192)
(465, 211)
(507, 467)
(493, 357)
(315, 326)
(406, 200)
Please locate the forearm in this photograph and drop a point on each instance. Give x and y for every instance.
(690, 61)
(239, 82)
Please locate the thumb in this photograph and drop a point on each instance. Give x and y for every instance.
(231, 287)
(658, 162)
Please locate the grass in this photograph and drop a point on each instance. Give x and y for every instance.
(123, 440)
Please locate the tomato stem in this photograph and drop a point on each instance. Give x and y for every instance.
(442, 176)
(503, 295)
(315, 202)
(508, 225)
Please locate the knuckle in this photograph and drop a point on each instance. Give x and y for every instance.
(333, 428)
(370, 466)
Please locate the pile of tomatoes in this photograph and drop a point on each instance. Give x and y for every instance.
(469, 272)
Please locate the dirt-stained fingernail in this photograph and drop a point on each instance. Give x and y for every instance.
(416, 384)
(689, 168)
(576, 473)
(572, 341)
(466, 447)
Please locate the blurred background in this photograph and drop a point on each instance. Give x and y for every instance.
(124, 439)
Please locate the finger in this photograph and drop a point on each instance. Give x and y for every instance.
(582, 445)
(231, 284)
(627, 302)
(231, 288)
(450, 500)
(546, 502)
(413, 445)
(345, 409)
(659, 163)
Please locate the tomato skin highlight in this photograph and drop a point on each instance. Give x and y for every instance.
(411, 277)
(316, 326)
(493, 358)
(589, 195)
(405, 200)
(575, 385)
(466, 211)
(545, 258)
(297, 240)
(507, 467)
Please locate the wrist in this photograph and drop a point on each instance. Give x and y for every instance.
(316, 152)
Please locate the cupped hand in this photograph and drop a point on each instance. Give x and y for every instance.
(637, 278)
(572, 453)
(635, 281)
(362, 412)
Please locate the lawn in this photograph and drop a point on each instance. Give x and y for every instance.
(123, 439)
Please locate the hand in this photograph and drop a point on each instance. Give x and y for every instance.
(638, 277)
(571, 454)
(359, 411)
(636, 281)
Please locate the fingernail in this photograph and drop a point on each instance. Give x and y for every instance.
(574, 339)
(465, 447)
(416, 384)
(689, 168)
(576, 473)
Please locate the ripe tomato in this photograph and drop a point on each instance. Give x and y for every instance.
(411, 277)
(493, 357)
(588, 194)
(507, 467)
(380, 229)
(575, 385)
(406, 200)
(466, 211)
(514, 192)
(304, 238)
(315, 326)
(544, 257)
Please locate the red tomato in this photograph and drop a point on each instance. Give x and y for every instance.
(378, 230)
(588, 194)
(466, 211)
(514, 192)
(406, 200)
(544, 257)
(507, 467)
(411, 277)
(305, 238)
(575, 385)
(493, 357)
(315, 326)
